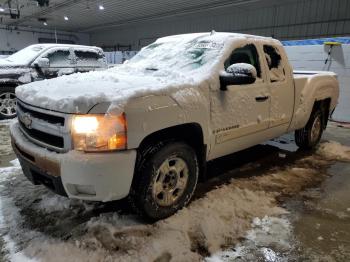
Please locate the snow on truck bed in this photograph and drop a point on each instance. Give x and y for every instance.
(168, 65)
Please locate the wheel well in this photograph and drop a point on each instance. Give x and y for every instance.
(324, 106)
(191, 134)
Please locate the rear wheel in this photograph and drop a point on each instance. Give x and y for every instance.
(309, 136)
(7, 103)
(165, 180)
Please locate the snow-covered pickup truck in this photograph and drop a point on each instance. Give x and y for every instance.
(43, 61)
(145, 130)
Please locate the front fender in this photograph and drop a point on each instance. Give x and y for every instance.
(150, 114)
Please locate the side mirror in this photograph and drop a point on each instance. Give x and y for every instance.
(237, 74)
(42, 63)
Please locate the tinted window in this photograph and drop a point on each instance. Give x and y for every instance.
(86, 58)
(274, 62)
(247, 54)
(59, 58)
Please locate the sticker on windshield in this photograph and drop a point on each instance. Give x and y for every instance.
(209, 45)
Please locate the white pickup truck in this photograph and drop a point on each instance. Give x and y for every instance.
(146, 129)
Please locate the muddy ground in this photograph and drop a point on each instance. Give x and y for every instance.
(271, 202)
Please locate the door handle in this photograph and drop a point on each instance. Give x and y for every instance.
(261, 98)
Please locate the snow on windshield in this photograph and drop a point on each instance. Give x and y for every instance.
(179, 54)
(25, 56)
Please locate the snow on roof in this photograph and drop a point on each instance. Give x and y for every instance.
(63, 45)
(219, 34)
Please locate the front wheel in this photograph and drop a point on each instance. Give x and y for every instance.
(165, 180)
(7, 103)
(309, 136)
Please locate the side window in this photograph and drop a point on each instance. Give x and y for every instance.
(88, 58)
(59, 58)
(274, 61)
(247, 54)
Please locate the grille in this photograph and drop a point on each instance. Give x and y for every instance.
(43, 127)
(45, 117)
(53, 140)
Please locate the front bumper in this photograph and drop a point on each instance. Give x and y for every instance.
(88, 176)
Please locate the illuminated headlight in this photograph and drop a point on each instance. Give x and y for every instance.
(99, 132)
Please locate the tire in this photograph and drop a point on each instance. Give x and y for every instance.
(309, 136)
(165, 179)
(7, 102)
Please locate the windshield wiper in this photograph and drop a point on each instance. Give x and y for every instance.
(151, 69)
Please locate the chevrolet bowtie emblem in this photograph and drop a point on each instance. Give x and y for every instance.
(27, 120)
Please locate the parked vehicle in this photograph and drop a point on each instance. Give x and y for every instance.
(43, 61)
(146, 130)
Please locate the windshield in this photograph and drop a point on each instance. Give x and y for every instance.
(179, 54)
(25, 56)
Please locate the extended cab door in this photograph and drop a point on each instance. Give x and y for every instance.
(89, 60)
(279, 74)
(240, 114)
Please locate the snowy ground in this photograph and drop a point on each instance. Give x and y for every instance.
(5, 141)
(250, 209)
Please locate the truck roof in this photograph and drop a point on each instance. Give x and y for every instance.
(64, 45)
(223, 35)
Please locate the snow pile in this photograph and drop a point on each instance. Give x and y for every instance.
(10, 216)
(208, 224)
(334, 150)
(54, 203)
(5, 140)
(49, 228)
(216, 220)
(269, 239)
(271, 231)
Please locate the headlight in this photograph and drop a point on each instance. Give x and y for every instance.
(99, 132)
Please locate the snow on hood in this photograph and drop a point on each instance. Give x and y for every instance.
(7, 64)
(169, 64)
(78, 93)
(18, 75)
(23, 57)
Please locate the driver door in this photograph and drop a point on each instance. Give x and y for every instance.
(61, 62)
(240, 114)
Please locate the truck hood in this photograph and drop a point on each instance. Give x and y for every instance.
(18, 74)
(79, 93)
(4, 63)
